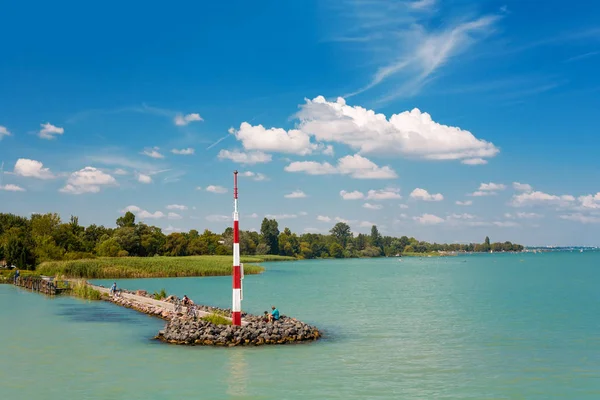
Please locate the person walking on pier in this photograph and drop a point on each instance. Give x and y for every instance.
(113, 289)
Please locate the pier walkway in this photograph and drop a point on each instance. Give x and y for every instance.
(42, 284)
(143, 300)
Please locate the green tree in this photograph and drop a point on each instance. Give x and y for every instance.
(361, 241)
(269, 230)
(262, 249)
(486, 245)
(336, 250)
(375, 239)
(129, 240)
(176, 245)
(19, 253)
(342, 233)
(44, 224)
(109, 248)
(67, 239)
(126, 221)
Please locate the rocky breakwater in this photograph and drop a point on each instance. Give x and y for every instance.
(199, 332)
(150, 309)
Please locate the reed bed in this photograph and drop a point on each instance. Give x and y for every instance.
(84, 291)
(152, 267)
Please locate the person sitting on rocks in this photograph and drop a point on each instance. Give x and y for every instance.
(274, 314)
(186, 301)
(266, 317)
(113, 288)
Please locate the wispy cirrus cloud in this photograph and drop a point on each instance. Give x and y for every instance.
(408, 50)
(583, 56)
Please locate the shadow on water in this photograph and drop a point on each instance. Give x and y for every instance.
(97, 313)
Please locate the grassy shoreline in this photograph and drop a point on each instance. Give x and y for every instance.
(152, 267)
(157, 267)
(7, 276)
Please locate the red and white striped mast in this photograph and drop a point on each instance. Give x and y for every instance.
(236, 310)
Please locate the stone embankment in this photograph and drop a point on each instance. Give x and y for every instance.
(185, 330)
(256, 332)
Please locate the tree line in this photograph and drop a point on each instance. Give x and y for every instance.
(26, 242)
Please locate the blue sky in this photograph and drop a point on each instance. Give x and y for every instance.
(371, 112)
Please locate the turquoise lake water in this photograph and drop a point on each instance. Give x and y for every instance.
(506, 326)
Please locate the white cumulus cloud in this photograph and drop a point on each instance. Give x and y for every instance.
(255, 176)
(474, 161)
(384, 194)
(591, 201)
(11, 188)
(323, 218)
(422, 194)
(355, 166)
(541, 198)
(278, 140)
(153, 152)
(144, 178)
(173, 215)
(410, 133)
(354, 195)
(50, 131)
(464, 203)
(505, 224)
(181, 120)
(366, 224)
(372, 206)
(524, 215)
(429, 219)
(183, 152)
(524, 187)
(216, 189)
(491, 187)
(281, 216)
(4, 132)
(87, 180)
(218, 218)
(177, 207)
(252, 157)
(296, 194)
(584, 219)
(481, 193)
(32, 169)
(143, 214)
